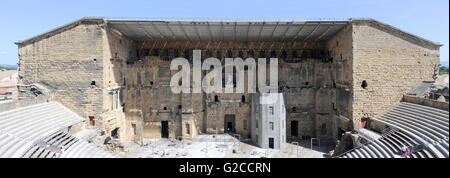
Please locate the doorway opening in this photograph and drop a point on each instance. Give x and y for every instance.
(294, 128)
(134, 128)
(271, 143)
(364, 122)
(91, 120)
(340, 132)
(229, 124)
(165, 129)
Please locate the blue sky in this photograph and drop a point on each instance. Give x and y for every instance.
(22, 19)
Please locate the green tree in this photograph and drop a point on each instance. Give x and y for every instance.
(443, 70)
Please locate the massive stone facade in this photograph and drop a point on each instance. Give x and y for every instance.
(305, 75)
(330, 85)
(73, 62)
(69, 61)
(387, 63)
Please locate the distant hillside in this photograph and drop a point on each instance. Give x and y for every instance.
(8, 66)
(444, 63)
(5, 68)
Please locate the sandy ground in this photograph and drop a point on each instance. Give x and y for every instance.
(217, 146)
(442, 79)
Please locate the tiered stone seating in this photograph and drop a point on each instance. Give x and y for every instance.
(51, 146)
(36, 131)
(82, 149)
(421, 128)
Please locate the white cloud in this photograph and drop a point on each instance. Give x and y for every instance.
(3, 52)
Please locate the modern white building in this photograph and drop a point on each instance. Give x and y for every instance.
(268, 120)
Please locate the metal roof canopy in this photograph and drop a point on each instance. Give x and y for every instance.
(227, 30)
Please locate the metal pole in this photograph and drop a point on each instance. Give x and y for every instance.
(319, 143)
